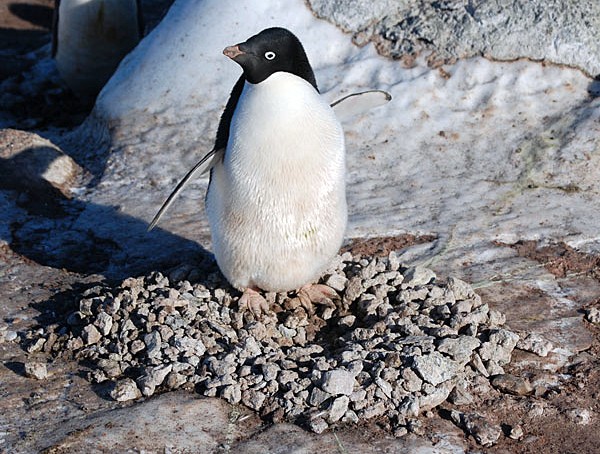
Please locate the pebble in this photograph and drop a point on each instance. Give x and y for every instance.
(509, 384)
(338, 409)
(592, 315)
(516, 432)
(125, 390)
(36, 370)
(10, 336)
(580, 416)
(434, 368)
(338, 381)
(484, 432)
(536, 344)
(393, 346)
(417, 277)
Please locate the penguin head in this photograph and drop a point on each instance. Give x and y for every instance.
(272, 50)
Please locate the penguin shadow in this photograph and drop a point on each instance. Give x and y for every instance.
(55, 230)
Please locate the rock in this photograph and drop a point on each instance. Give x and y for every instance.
(152, 378)
(516, 432)
(394, 358)
(91, 335)
(318, 396)
(460, 289)
(460, 396)
(253, 399)
(484, 432)
(36, 370)
(104, 323)
(33, 164)
(510, 384)
(153, 344)
(338, 381)
(536, 344)
(10, 336)
(337, 282)
(318, 425)
(435, 398)
(435, 368)
(499, 347)
(417, 277)
(449, 31)
(460, 348)
(580, 416)
(36, 345)
(338, 409)
(592, 315)
(125, 390)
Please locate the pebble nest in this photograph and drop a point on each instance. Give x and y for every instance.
(395, 344)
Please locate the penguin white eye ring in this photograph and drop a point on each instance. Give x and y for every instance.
(270, 55)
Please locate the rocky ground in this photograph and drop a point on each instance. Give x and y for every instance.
(163, 360)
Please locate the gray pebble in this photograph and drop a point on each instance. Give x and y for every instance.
(435, 368)
(516, 432)
(91, 335)
(338, 409)
(125, 390)
(535, 343)
(337, 282)
(580, 416)
(484, 432)
(460, 348)
(318, 425)
(417, 277)
(153, 344)
(592, 315)
(152, 378)
(338, 381)
(10, 336)
(36, 370)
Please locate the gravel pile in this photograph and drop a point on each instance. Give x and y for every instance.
(395, 344)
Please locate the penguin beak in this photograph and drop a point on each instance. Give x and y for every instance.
(233, 51)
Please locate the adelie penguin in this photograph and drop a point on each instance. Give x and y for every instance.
(90, 38)
(276, 200)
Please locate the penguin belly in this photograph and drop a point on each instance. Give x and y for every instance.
(93, 37)
(276, 204)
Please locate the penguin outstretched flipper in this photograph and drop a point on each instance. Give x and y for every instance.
(356, 103)
(201, 167)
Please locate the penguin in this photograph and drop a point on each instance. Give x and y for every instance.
(90, 38)
(276, 199)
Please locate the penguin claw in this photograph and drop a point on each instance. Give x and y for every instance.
(316, 293)
(254, 302)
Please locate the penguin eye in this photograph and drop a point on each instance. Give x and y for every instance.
(269, 55)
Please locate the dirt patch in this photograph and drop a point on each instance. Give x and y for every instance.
(560, 259)
(382, 246)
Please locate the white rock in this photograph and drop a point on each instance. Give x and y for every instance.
(36, 370)
(125, 390)
(338, 381)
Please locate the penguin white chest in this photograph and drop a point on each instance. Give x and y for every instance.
(276, 204)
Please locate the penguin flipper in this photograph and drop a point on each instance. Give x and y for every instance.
(356, 103)
(211, 157)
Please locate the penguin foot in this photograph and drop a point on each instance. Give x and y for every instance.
(253, 301)
(316, 293)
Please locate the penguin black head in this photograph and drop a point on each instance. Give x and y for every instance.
(272, 50)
